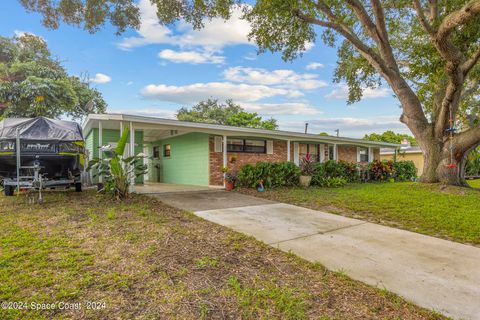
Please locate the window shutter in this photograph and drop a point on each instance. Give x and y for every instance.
(358, 154)
(370, 154)
(322, 153)
(217, 144)
(269, 146)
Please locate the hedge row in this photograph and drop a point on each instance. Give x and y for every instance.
(326, 174)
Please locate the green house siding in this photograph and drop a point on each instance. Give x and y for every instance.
(188, 161)
(92, 142)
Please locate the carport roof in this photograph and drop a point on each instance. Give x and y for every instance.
(143, 122)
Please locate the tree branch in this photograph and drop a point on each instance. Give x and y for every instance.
(457, 18)
(433, 5)
(470, 63)
(423, 20)
(465, 140)
(413, 114)
(444, 46)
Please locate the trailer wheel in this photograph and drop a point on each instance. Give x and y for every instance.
(78, 187)
(9, 190)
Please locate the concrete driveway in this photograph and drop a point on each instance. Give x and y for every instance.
(433, 273)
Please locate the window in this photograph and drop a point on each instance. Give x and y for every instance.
(363, 154)
(331, 153)
(255, 146)
(156, 152)
(235, 145)
(166, 150)
(243, 145)
(311, 149)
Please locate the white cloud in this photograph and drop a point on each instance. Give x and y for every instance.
(274, 109)
(194, 57)
(341, 93)
(221, 90)
(129, 83)
(100, 78)
(216, 33)
(281, 77)
(354, 127)
(314, 66)
(309, 46)
(251, 56)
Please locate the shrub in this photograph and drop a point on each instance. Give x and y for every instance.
(307, 166)
(404, 171)
(118, 171)
(273, 174)
(380, 170)
(333, 169)
(333, 182)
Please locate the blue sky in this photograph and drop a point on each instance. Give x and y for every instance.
(156, 69)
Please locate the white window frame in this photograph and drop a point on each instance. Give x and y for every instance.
(368, 154)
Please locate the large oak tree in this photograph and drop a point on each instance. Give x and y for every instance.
(427, 51)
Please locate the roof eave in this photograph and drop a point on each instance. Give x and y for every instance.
(237, 130)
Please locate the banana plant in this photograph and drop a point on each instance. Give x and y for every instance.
(117, 171)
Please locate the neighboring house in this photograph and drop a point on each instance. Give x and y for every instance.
(195, 153)
(406, 152)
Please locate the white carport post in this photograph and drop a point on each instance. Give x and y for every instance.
(288, 150)
(121, 132)
(335, 152)
(132, 153)
(100, 144)
(224, 156)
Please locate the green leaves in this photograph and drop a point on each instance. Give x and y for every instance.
(118, 171)
(33, 83)
(228, 113)
(390, 137)
(122, 142)
(276, 27)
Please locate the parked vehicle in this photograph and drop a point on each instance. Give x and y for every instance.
(51, 154)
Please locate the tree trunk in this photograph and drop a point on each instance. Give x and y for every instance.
(439, 167)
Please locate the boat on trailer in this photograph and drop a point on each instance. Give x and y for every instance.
(39, 153)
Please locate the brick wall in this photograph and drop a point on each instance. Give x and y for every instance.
(216, 159)
(347, 153)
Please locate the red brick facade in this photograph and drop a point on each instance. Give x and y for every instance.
(236, 160)
(347, 153)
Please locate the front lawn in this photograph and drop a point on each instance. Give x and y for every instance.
(474, 183)
(144, 260)
(445, 212)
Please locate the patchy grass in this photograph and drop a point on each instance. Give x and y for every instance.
(474, 183)
(143, 259)
(446, 212)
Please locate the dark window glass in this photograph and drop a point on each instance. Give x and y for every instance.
(330, 152)
(250, 146)
(255, 146)
(363, 154)
(235, 145)
(156, 152)
(166, 150)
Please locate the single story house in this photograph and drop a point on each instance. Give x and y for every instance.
(406, 152)
(194, 153)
